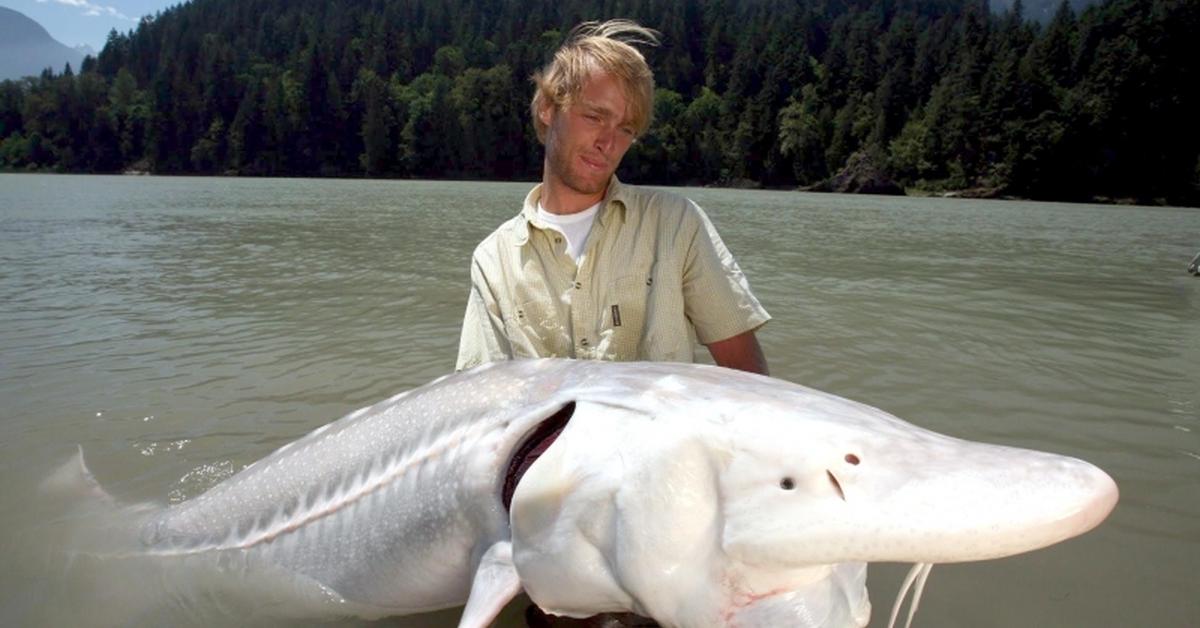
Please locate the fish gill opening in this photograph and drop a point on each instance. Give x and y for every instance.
(532, 448)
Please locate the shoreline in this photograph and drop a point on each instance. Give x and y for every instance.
(975, 193)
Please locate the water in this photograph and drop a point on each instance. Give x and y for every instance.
(179, 328)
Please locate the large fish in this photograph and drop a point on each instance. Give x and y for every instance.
(690, 494)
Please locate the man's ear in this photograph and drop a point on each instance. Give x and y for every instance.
(546, 113)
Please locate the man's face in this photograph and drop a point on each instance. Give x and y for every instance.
(586, 140)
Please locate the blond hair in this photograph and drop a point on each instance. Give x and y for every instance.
(598, 47)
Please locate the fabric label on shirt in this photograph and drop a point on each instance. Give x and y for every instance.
(616, 315)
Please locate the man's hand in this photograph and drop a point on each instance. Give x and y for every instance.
(740, 352)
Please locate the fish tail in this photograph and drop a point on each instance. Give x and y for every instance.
(73, 480)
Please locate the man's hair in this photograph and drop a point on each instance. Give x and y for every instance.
(598, 47)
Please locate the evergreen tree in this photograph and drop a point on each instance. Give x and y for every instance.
(780, 93)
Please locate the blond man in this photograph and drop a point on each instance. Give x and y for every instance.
(592, 268)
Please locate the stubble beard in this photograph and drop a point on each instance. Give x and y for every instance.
(560, 164)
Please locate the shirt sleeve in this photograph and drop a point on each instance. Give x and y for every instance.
(717, 297)
(483, 338)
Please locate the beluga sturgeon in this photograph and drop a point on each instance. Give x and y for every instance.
(693, 495)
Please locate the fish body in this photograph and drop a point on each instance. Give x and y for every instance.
(691, 494)
(389, 508)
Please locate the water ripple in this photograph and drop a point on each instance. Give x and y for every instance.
(240, 314)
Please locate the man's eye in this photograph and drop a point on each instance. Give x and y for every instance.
(628, 131)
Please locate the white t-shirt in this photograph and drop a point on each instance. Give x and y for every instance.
(575, 227)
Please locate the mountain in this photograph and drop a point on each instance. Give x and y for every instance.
(27, 49)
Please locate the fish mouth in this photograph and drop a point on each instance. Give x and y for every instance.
(839, 597)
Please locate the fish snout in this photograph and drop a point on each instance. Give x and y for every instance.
(1017, 501)
(955, 502)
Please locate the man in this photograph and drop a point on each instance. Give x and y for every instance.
(595, 269)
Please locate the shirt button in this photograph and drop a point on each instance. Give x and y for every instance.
(578, 285)
(558, 240)
(584, 342)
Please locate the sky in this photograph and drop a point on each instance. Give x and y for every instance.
(77, 22)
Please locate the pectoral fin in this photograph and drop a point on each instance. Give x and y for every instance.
(496, 583)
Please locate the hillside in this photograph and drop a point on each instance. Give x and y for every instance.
(936, 95)
(1041, 11)
(26, 49)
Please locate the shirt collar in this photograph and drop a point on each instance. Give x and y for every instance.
(613, 207)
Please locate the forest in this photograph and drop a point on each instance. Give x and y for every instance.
(935, 96)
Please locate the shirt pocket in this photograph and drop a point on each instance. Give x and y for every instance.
(534, 331)
(626, 318)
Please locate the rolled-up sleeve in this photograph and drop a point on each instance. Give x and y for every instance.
(717, 297)
(483, 338)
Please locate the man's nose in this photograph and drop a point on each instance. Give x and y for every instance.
(606, 137)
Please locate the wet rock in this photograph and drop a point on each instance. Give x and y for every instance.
(980, 192)
(864, 173)
(139, 167)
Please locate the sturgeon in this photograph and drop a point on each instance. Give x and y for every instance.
(690, 494)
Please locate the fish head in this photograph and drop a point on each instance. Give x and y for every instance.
(703, 496)
(815, 479)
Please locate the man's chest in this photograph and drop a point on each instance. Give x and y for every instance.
(602, 306)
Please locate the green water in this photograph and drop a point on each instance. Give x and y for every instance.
(180, 328)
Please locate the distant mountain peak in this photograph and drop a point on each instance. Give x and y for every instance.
(18, 28)
(26, 48)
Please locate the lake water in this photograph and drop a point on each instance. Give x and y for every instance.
(180, 328)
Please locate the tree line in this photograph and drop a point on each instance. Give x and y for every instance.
(939, 94)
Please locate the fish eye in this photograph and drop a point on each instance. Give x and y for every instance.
(787, 484)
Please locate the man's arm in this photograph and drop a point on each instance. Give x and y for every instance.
(718, 301)
(740, 352)
(483, 339)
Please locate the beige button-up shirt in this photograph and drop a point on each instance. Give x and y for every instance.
(654, 278)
